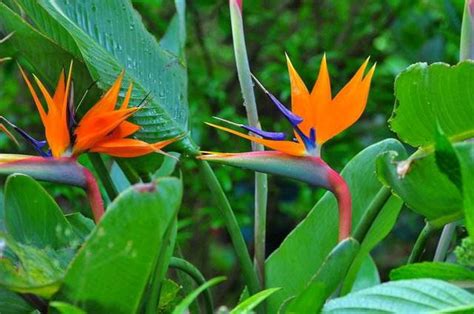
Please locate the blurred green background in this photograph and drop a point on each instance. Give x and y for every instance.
(394, 33)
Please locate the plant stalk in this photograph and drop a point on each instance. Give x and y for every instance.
(104, 175)
(371, 213)
(466, 47)
(338, 186)
(195, 274)
(128, 171)
(420, 243)
(444, 242)
(94, 196)
(246, 85)
(232, 226)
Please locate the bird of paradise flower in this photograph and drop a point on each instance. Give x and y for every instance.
(103, 129)
(316, 117)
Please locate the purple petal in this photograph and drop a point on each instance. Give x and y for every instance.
(37, 145)
(293, 118)
(276, 136)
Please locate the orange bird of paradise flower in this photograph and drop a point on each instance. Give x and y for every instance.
(316, 116)
(103, 129)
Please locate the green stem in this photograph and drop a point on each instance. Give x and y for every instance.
(232, 227)
(466, 47)
(246, 85)
(444, 242)
(128, 171)
(196, 275)
(371, 213)
(161, 266)
(420, 243)
(104, 175)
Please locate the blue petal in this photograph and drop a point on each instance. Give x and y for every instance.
(276, 136)
(290, 116)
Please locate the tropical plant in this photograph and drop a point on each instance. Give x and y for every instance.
(116, 125)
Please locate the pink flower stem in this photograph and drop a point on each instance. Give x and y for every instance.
(94, 196)
(344, 201)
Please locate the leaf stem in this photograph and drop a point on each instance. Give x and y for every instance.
(420, 243)
(371, 213)
(246, 85)
(128, 171)
(444, 242)
(104, 175)
(232, 226)
(196, 275)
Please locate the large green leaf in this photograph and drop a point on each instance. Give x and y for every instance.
(32, 217)
(110, 36)
(367, 276)
(37, 52)
(326, 280)
(436, 270)
(311, 241)
(12, 303)
(111, 271)
(29, 269)
(405, 296)
(424, 188)
(427, 95)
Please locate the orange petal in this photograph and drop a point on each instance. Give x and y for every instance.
(108, 101)
(128, 147)
(60, 91)
(38, 104)
(94, 128)
(127, 97)
(300, 100)
(288, 147)
(124, 129)
(56, 128)
(321, 93)
(346, 108)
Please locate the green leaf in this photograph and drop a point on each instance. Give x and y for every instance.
(467, 170)
(367, 276)
(405, 296)
(427, 95)
(40, 51)
(423, 187)
(2, 213)
(311, 241)
(446, 159)
(436, 270)
(65, 308)
(110, 36)
(111, 271)
(251, 302)
(81, 225)
(29, 269)
(326, 280)
(32, 217)
(183, 305)
(12, 303)
(170, 295)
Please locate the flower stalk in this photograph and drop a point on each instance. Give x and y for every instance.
(261, 185)
(311, 170)
(58, 170)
